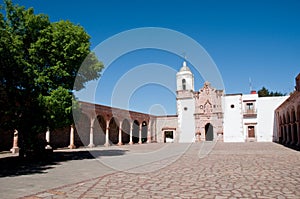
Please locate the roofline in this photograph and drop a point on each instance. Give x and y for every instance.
(233, 94)
(110, 107)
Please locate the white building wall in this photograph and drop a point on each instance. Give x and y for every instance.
(252, 120)
(250, 96)
(165, 122)
(186, 120)
(265, 115)
(233, 119)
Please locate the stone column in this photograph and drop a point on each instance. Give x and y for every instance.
(15, 148)
(292, 134)
(149, 132)
(287, 141)
(140, 133)
(298, 132)
(72, 145)
(280, 134)
(107, 134)
(283, 133)
(120, 134)
(130, 137)
(48, 139)
(91, 144)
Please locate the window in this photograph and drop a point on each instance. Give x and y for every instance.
(183, 84)
(249, 106)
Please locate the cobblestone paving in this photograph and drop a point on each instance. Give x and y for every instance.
(230, 170)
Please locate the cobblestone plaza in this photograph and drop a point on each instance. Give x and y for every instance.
(201, 170)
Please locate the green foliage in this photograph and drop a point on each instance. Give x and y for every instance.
(263, 92)
(39, 63)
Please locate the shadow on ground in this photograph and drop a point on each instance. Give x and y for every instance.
(15, 166)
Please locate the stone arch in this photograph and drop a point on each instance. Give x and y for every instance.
(114, 131)
(209, 132)
(144, 131)
(135, 131)
(99, 130)
(183, 84)
(125, 131)
(207, 104)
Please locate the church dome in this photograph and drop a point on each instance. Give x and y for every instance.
(184, 67)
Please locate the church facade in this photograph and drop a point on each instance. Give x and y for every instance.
(199, 112)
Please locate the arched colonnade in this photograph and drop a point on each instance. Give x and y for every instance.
(288, 120)
(103, 125)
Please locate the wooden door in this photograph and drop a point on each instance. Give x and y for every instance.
(251, 133)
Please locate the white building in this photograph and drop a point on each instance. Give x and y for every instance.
(208, 114)
(249, 117)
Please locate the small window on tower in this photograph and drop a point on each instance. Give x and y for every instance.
(185, 108)
(249, 106)
(183, 84)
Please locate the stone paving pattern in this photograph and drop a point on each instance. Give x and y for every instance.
(230, 170)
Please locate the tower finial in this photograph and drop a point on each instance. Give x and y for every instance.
(184, 58)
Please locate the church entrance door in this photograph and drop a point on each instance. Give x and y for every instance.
(209, 132)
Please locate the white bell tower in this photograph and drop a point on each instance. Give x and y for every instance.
(185, 78)
(185, 104)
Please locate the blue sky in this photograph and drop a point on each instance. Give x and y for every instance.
(246, 39)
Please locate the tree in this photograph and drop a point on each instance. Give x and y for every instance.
(39, 63)
(263, 92)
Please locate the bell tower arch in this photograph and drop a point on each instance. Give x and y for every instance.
(185, 78)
